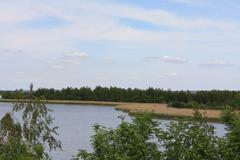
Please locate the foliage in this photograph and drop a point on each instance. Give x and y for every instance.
(26, 140)
(235, 102)
(187, 140)
(12, 145)
(37, 122)
(143, 138)
(232, 142)
(129, 141)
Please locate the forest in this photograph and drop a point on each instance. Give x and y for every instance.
(181, 99)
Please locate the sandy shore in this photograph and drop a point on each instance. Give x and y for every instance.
(160, 110)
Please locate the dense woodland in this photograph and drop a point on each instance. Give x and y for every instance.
(182, 99)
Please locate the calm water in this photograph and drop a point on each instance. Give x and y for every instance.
(75, 125)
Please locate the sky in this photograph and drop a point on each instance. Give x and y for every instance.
(169, 44)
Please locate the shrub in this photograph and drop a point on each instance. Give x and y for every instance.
(144, 139)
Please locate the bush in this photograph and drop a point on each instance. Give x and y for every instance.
(192, 104)
(129, 141)
(183, 140)
(177, 104)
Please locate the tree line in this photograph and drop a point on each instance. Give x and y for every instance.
(189, 99)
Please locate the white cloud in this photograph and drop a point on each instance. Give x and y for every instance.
(132, 78)
(167, 59)
(71, 58)
(19, 73)
(69, 61)
(56, 66)
(159, 17)
(82, 27)
(216, 63)
(77, 55)
(171, 74)
(170, 59)
(194, 2)
(151, 58)
(17, 14)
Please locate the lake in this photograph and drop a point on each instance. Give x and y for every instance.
(75, 125)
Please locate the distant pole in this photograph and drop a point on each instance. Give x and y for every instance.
(31, 89)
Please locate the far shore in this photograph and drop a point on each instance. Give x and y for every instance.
(158, 110)
(100, 103)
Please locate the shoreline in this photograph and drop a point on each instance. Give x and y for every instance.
(158, 110)
(73, 102)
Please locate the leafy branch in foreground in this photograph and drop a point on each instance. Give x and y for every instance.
(128, 141)
(145, 139)
(232, 142)
(193, 139)
(28, 138)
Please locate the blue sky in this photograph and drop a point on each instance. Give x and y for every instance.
(170, 44)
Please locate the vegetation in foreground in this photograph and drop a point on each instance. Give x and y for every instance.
(179, 99)
(27, 139)
(145, 139)
(141, 139)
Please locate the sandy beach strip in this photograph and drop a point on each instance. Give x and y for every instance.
(164, 110)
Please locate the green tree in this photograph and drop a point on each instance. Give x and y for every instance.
(231, 145)
(129, 141)
(12, 144)
(26, 140)
(189, 140)
(144, 139)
